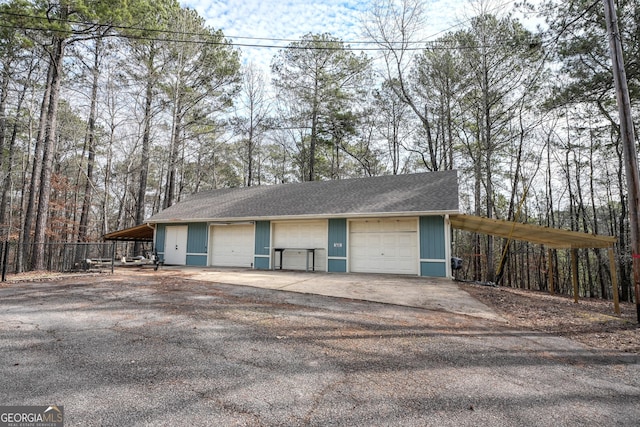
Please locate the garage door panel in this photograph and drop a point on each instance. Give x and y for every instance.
(406, 244)
(406, 252)
(300, 234)
(232, 245)
(383, 246)
(359, 227)
(407, 226)
(390, 240)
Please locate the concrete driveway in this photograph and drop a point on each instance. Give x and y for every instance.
(411, 291)
(144, 348)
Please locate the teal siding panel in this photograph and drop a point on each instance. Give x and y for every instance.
(160, 234)
(337, 245)
(337, 266)
(199, 260)
(432, 237)
(261, 263)
(433, 269)
(263, 238)
(197, 238)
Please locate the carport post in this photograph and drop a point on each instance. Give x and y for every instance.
(113, 254)
(614, 280)
(574, 273)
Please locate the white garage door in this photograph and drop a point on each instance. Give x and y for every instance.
(231, 245)
(298, 235)
(384, 246)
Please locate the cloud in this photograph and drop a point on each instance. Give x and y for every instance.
(245, 21)
(277, 19)
(242, 20)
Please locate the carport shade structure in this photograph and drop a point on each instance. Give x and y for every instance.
(139, 233)
(553, 238)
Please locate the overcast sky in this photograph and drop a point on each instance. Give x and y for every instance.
(242, 20)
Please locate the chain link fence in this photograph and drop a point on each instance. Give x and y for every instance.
(59, 257)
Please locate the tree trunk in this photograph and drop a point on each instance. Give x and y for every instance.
(477, 260)
(107, 179)
(90, 145)
(174, 150)
(312, 144)
(488, 143)
(449, 130)
(601, 263)
(250, 144)
(4, 92)
(47, 157)
(146, 142)
(29, 215)
(6, 184)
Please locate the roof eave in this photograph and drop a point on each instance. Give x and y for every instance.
(305, 217)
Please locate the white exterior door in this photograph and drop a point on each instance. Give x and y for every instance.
(232, 245)
(295, 236)
(385, 245)
(175, 245)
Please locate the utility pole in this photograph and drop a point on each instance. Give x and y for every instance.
(628, 141)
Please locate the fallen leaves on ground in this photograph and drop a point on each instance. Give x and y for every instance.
(591, 321)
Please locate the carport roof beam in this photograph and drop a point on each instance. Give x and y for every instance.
(139, 233)
(551, 237)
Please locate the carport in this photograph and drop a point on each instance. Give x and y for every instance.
(139, 233)
(553, 238)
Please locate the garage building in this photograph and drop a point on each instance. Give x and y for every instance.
(388, 224)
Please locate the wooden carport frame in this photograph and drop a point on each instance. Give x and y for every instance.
(553, 238)
(138, 233)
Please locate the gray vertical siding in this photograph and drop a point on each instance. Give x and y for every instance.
(432, 239)
(197, 239)
(337, 246)
(160, 237)
(197, 243)
(337, 237)
(432, 246)
(262, 245)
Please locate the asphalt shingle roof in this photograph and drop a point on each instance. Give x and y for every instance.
(412, 193)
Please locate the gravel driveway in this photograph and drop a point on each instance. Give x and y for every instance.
(154, 349)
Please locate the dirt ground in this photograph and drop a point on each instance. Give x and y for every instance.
(161, 348)
(592, 321)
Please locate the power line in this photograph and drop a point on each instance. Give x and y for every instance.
(407, 45)
(157, 30)
(182, 32)
(429, 45)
